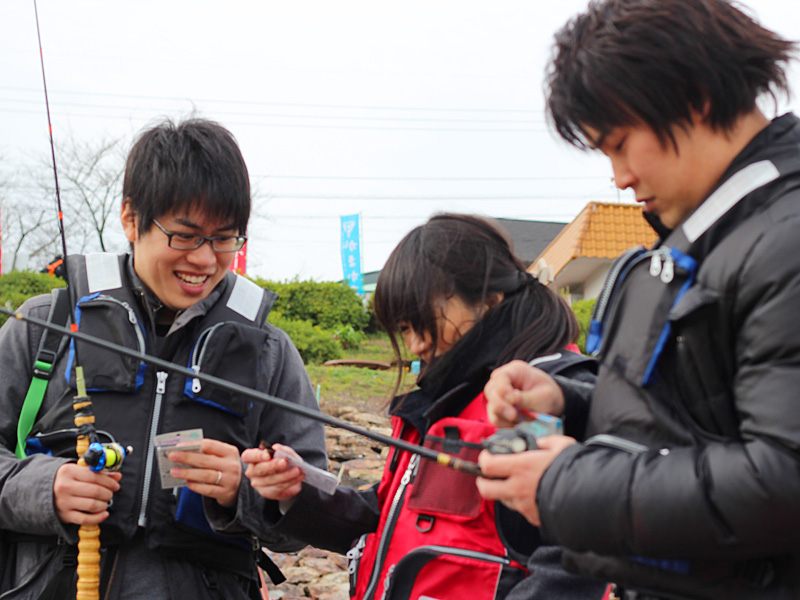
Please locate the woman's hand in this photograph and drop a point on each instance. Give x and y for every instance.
(517, 385)
(216, 471)
(272, 477)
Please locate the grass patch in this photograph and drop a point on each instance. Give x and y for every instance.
(352, 382)
(365, 389)
(376, 346)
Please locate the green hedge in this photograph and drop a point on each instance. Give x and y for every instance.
(583, 312)
(320, 318)
(18, 286)
(315, 344)
(331, 305)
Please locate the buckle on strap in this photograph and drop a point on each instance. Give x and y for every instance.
(43, 365)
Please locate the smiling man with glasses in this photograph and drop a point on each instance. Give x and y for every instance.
(172, 296)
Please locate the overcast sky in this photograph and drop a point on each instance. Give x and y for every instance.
(392, 110)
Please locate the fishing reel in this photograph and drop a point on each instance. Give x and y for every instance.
(522, 437)
(106, 457)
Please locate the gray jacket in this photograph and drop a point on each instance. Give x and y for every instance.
(26, 494)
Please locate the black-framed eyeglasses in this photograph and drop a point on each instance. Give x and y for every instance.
(192, 241)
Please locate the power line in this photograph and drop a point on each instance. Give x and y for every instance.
(297, 104)
(406, 178)
(537, 217)
(427, 198)
(228, 123)
(294, 116)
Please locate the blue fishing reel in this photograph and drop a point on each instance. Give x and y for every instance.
(106, 457)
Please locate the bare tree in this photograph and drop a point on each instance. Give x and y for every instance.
(90, 178)
(24, 223)
(28, 226)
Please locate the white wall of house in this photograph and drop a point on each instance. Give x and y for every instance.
(594, 284)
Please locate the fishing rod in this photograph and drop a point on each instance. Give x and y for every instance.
(444, 459)
(87, 446)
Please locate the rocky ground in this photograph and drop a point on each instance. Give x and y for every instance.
(358, 461)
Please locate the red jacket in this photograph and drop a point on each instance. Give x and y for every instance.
(437, 537)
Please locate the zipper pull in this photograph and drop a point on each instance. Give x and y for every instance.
(131, 314)
(655, 264)
(668, 272)
(196, 386)
(387, 580)
(161, 386)
(412, 467)
(354, 554)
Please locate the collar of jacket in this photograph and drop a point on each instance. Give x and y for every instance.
(769, 146)
(151, 304)
(769, 143)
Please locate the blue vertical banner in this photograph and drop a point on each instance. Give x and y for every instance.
(351, 252)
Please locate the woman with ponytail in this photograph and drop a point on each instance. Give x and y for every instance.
(456, 295)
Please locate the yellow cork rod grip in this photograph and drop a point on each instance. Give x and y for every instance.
(88, 535)
(88, 563)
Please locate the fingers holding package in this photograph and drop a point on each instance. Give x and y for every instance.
(81, 496)
(214, 472)
(517, 387)
(272, 477)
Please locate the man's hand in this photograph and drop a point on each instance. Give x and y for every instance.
(270, 476)
(81, 496)
(518, 475)
(517, 385)
(217, 471)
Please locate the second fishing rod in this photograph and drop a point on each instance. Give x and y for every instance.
(441, 458)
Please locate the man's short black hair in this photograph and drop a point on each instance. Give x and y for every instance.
(624, 62)
(192, 164)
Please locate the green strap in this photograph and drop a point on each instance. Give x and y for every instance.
(30, 408)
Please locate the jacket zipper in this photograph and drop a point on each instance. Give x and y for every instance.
(604, 299)
(664, 268)
(353, 560)
(618, 272)
(198, 353)
(131, 316)
(388, 530)
(617, 443)
(161, 388)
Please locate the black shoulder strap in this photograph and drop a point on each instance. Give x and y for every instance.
(59, 315)
(42, 367)
(556, 363)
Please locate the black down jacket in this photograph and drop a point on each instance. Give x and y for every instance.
(690, 485)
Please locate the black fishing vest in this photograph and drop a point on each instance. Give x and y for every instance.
(133, 401)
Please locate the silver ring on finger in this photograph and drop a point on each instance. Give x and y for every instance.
(219, 478)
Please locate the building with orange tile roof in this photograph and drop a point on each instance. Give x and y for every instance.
(579, 257)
